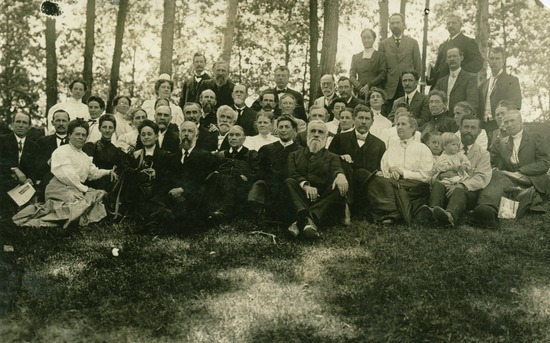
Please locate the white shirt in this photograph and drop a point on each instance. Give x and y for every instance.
(390, 137)
(220, 140)
(490, 87)
(128, 140)
(72, 167)
(333, 125)
(20, 151)
(290, 142)
(258, 141)
(408, 97)
(361, 142)
(379, 124)
(161, 137)
(415, 159)
(514, 159)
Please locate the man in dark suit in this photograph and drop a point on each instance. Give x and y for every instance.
(168, 140)
(459, 84)
(220, 84)
(190, 88)
(48, 144)
(417, 102)
(206, 139)
(246, 117)
(328, 88)
(345, 89)
(190, 166)
(500, 86)
(17, 160)
(446, 206)
(316, 182)
(207, 100)
(402, 53)
(473, 62)
(521, 162)
(269, 190)
(361, 153)
(226, 118)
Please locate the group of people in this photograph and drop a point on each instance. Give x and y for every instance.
(371, 146)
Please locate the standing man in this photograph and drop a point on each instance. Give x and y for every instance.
(473, 62)
(17, 159)
(446, 207)
(459, 84)
(500, 86)
(246, 117)
(402, 53)
(190, 88)
(282, 75)
(417, 102)
(316, 182)
(220, 84)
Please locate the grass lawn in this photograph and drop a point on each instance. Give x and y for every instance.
(363, 283)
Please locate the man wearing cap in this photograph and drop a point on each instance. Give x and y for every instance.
(473, 62)
(190, 88)
(220, 84)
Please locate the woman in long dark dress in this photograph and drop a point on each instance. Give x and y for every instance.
(368, 67)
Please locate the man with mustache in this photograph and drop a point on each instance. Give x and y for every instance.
(328, 89)
(226, 118)
(447, 207)
(207, 140)
(190, 167)
(208, 102)
(220, 84)
(316, 182)
(226, 190)
(189, 89)
(245, 115)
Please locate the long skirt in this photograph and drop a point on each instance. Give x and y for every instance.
(64, 205)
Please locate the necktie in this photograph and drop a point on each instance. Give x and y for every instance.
(465, 150)
(450, 85)
(361, 137)
(279, 91)
(92, 121)
(185, 155)
(407, 99)
(240, 111)
(397, 42)
(20, 146)
(514, 159)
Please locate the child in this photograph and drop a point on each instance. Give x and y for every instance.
(451, 160)
(433, 141)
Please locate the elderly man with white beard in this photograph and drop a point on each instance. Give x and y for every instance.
(316, 182)
(227, 117)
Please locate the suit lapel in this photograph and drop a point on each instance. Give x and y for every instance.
(524, 141)
(458, 80)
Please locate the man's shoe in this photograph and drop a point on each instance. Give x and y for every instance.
(443, 217)
(294, 229)
(425, 213)
(388, 221)
(310, 229)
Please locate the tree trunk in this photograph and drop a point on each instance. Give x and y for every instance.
(313, 50)
(403, 7)
(330, 36)
(384, 17)
(232, 6)
(424, 47)
(167, 44)
(89, 45)
(115, 68)
(51, 65)
(482, 35)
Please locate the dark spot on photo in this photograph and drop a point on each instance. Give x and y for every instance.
(50, 8)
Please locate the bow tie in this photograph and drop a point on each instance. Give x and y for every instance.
(92, 121)
(279, 91)
(361, 137)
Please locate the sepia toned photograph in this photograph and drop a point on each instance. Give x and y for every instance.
(274, 171)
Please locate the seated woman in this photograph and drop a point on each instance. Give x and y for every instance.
(67, 198)
(398, 189)
(227, 188)
(127, 142)
(122, 105)
(145, 182)
(376, 100)
(164, 87)
(264, 126)
(287, 103)
(105, 155)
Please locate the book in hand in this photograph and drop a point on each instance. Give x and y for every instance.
(22, 193)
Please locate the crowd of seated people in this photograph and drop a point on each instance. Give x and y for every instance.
(371, 146)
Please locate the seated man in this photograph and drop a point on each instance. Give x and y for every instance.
(316, 181)
(17, 160)
(446, 207)
(48, 144)
(268, 191)
(521, 162)
(207, 139)
(189, 167)
(360, 152)
(226, 118)
(227, 188)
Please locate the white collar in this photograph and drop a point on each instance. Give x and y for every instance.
(290, 142)
(411, 94)
(231, 150)
(188, 151)
(19, 139)
(149, 151)
(518, 135)
(453, 37)
(455, 72)
(357, 133)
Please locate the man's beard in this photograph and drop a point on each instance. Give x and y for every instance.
(186, 143)
(267, 107)
(467, 139)
(207, 108)
(220, 80)
(224, 128)
(396, 32)
(315, 144)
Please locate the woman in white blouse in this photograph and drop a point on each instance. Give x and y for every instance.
(406, 172)
(376, 99)
(68, 199)
(264, 126)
